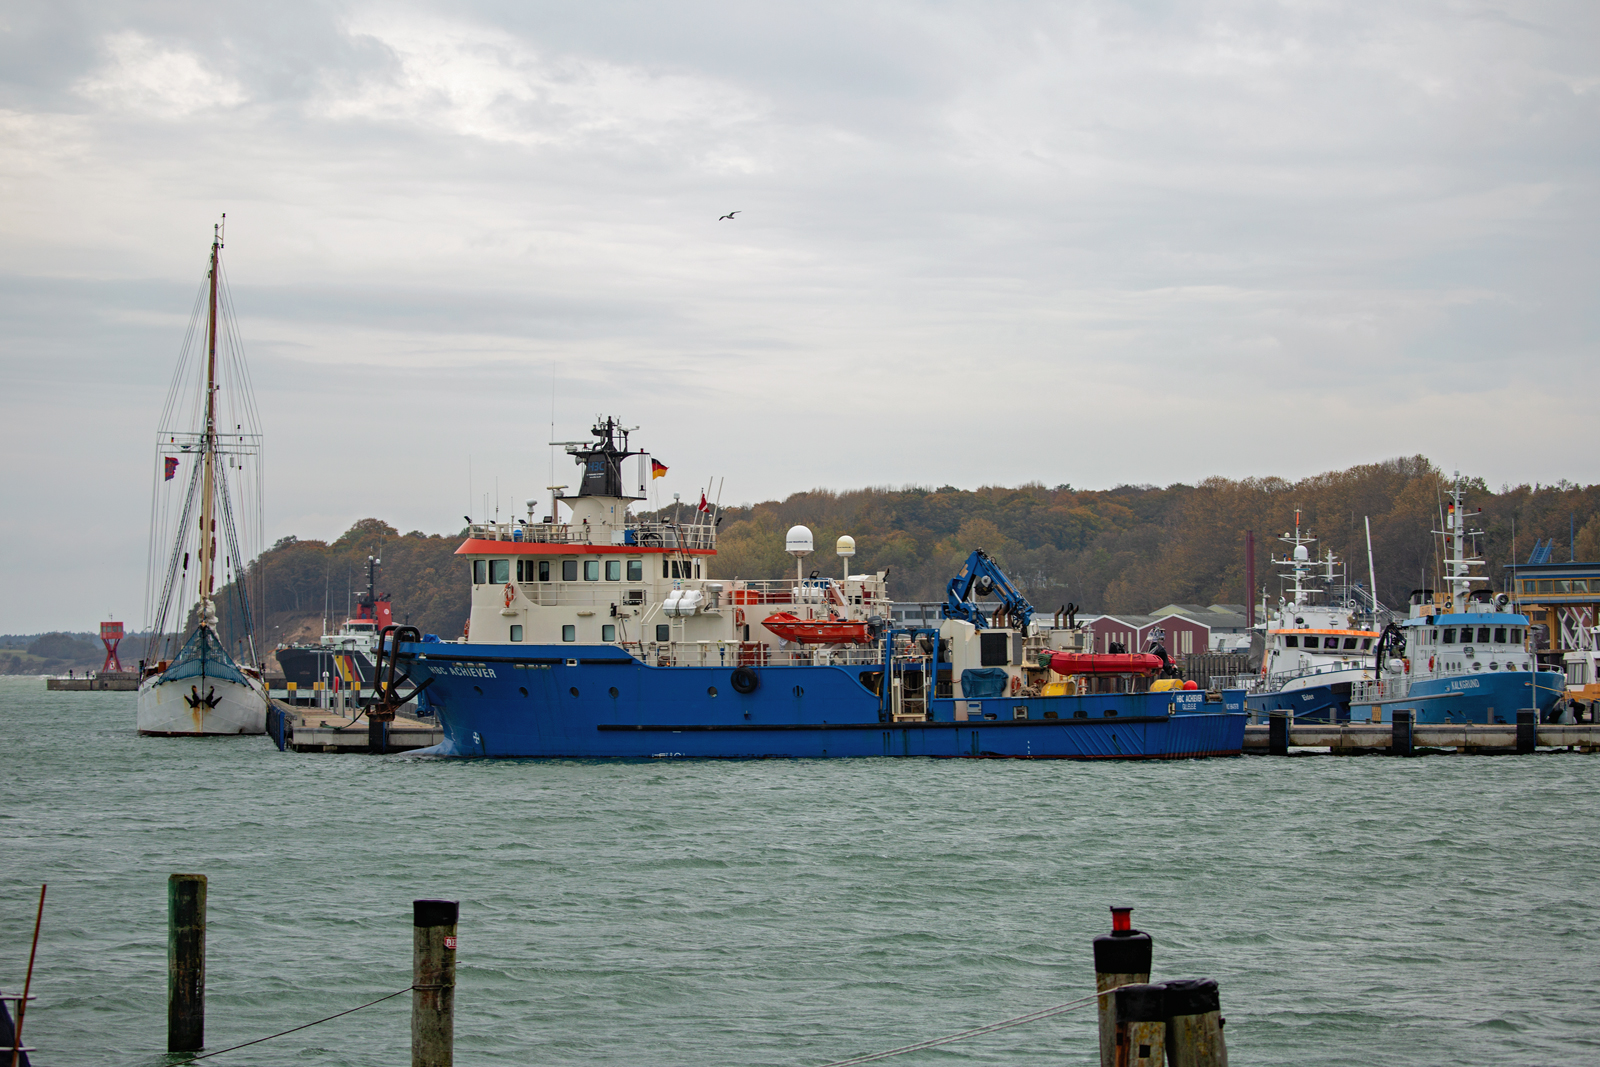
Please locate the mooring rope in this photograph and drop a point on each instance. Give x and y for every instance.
(977, 1031)
(330, 1018)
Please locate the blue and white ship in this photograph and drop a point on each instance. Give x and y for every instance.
(1319, 640)
(1462, 658)
(600, 634)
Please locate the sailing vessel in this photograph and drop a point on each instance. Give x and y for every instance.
(192, 683)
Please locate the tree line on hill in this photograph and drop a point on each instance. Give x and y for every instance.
(1121, 550)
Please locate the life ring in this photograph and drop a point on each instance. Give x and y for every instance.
(1430, 663)
(744, 680)
(1016, 684)
(1407, 665)
(511, 593)
(738, 616)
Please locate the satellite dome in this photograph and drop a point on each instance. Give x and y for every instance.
(798, 541)
(1300, 554)
(846, 546)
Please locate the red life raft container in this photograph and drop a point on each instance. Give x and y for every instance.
(816, 631)
(1106, 663)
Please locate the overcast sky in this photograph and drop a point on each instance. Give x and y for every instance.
(985, 243)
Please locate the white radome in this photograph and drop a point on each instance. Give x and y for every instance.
(798, 541)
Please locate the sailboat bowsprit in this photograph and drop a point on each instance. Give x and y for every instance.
(190, 683)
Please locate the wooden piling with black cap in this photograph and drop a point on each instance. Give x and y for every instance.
(1141, 1026)
(1527, 731)
(1277, 733)
(433, 982)
(1194, 1024)
(1400, 741)
(186, 962)
(1120, 958)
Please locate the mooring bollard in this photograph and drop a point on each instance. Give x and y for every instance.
(186, 962)
(433, 982)
(1277, 734)
(1400, 740)
(1194, 1024)
(1141, 1026)
(1120, 958)
(1527, 731)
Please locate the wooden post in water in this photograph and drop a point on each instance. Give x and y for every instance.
(186, 962)
(433, 982)
(1120, 958)
(1400, 734)
(1141, 1026)
(1527, 731)
(1277, 733)
(1194, 1024)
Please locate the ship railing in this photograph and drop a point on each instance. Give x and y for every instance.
(598, 595)
(636, 534)
(1380, 689)
(750, 654)
(818, 591)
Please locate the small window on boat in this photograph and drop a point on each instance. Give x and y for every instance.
(613, 570)
(569, 632)
(569, 570)
(1449, 636)
(1291, 641)
(1580, 585)
(1545, 585)
(1483, 635)
(516, 631)
(1366, 644)
(480, 571)
(499, 571)
(1499, 635)
(697, 568)
(1330, 642)
(663, 631)
(544, 570)
(1527, 585)
(591, 570)
(1516, 635)
(608, 632)
(636, 570)
(1433, 637)
(1563, 585)
(1350, 642)
(519, 571)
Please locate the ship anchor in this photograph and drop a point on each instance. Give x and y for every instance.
(210, 700)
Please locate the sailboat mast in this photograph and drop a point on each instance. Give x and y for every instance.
(208, 521)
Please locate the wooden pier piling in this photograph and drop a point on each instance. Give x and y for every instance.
(1277, 734)
(1527, 731)
(186, 962)
(1141, 1026)
(433, 982)
(1194, 1024)
(1401, 734)
(1120, 958)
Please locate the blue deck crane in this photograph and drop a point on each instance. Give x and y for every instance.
(982, 576)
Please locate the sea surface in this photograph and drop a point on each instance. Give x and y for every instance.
(1354, 910)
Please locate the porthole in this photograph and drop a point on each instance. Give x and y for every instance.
(799, 692)
(614, 693)
(573, 690)
(478, 689)
(711, 691)
(522, 689)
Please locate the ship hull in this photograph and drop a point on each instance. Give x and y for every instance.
(597, 702)
(169, 708)
(1311, 703)
(1484, 699)
(350, 669)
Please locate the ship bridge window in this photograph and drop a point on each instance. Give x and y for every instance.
(1449, 635)
(1544, 585)
(1527, 585)
(591, 570)
(1483, 635)
(569, 570)
(1580, 585)
(1366, 644)
(1563, 585)
(499, 571)
(1350, 642)
(480, 571)
(613, 570)
(1330, 642)
(1516, 635)
(636, 570)
(1291, 641)
(1499, 635)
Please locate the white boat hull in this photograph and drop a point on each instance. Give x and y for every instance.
(165, 707)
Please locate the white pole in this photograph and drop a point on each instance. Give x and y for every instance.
(1372, 573)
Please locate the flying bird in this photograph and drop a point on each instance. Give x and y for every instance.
(729, 215)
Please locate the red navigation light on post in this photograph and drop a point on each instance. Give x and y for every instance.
(1121, 920)
(111, 637)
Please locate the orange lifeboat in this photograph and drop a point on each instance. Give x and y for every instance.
(816, 631)
(1107, 663)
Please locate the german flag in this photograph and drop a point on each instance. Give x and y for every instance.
(657, 468)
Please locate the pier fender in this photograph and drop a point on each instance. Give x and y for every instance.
(744, 681)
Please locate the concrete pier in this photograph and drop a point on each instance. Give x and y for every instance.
(1362, 738)
(325, 730)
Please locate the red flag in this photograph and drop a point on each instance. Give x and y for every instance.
(172, 468)
(703, 505)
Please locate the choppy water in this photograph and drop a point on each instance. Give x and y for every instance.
(1424, 911)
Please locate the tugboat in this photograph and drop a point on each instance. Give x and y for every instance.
(601, 634)
(1462, 657)
(1319, 640)
(345, 659)
(199, 688)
